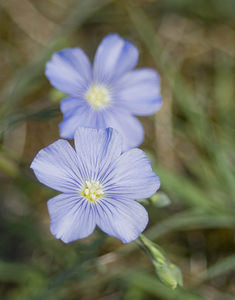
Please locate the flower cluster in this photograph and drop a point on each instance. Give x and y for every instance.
(101, 179)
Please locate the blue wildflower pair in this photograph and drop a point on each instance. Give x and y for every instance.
(101, 179)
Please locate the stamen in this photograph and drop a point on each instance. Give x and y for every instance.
(98, 96)
(92, 190)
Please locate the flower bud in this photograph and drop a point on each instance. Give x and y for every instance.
(160, 200)
(169, 274)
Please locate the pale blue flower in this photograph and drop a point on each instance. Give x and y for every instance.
(108, 94)
(99, 185)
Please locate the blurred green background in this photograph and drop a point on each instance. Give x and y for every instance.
(190, 142)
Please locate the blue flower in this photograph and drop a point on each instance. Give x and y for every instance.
(99, 185)
(107, 95)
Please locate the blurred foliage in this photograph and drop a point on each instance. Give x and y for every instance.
(190, 142)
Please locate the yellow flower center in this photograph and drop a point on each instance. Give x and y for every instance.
(98, 96)
(92, 190)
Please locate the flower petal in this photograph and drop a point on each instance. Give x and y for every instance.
(139, 91)
(97, 149)
(127, 125)
(70, 71)
(123, 218)
(72, 217)
(114, 57)
(57, 167)
(132, 176)
(70, 104)
(82, 115)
